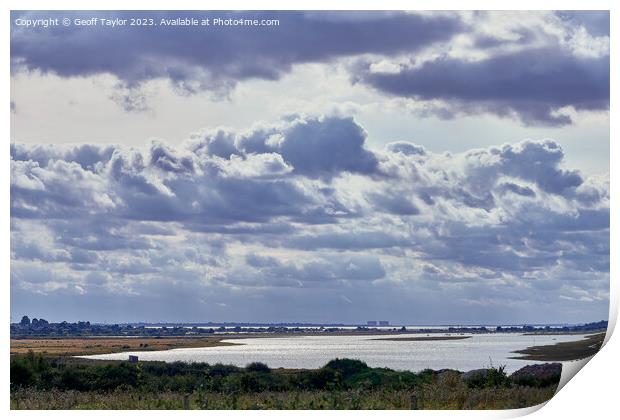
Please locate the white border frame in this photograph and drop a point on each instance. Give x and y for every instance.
(591, 395)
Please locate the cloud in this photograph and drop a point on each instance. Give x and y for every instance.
(326, 147)
(534, 84)
(595, 21)
(86, 155)
(406, 148)
(198, 184)
(396, 202)
(538, 67)
(314, 147)
(215, 58)
(315, 272)
(508, 226)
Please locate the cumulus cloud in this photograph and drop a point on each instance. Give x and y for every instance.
(305, 204)
(314, 147)
(325, 147)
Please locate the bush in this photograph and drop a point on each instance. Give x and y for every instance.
(78, 379)
(113, 376)
(497, 377)
(347, 367)
(27, 370)
(487, 378)
(258, 367)
(223, 370)
(21, 374)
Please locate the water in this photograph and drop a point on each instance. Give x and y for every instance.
(311, 352)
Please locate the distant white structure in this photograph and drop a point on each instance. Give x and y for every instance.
(375, 323)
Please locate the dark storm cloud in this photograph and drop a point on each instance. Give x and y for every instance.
(214, 58)
(532, 83)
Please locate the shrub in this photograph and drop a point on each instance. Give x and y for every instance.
(258, 367)
(487, 378)
(113, 376)
(347, 367)
(21, 374)
(497, 377)
(223, 370)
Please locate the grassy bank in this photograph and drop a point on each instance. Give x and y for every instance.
(572, 350)
(39, 382)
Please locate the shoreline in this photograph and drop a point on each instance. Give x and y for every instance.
(100, 345)
(92, 346)
(444, 338)
(563, 352)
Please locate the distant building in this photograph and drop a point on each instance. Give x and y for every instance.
(384, 323)
(133, 359)
(371, 323)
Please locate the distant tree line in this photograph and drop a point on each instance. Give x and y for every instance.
(42, 328)
(592, 326)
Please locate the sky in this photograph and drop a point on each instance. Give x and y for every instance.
(416, 167)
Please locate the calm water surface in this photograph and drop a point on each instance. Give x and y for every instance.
(310, 352)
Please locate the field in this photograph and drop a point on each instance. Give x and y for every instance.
(100, 345)
(572, 350)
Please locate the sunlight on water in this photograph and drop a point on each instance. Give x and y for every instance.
(311, 352)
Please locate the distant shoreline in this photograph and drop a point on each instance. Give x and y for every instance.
(442, 338)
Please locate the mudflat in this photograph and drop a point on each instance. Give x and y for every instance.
(82, 346)
(572, 350)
